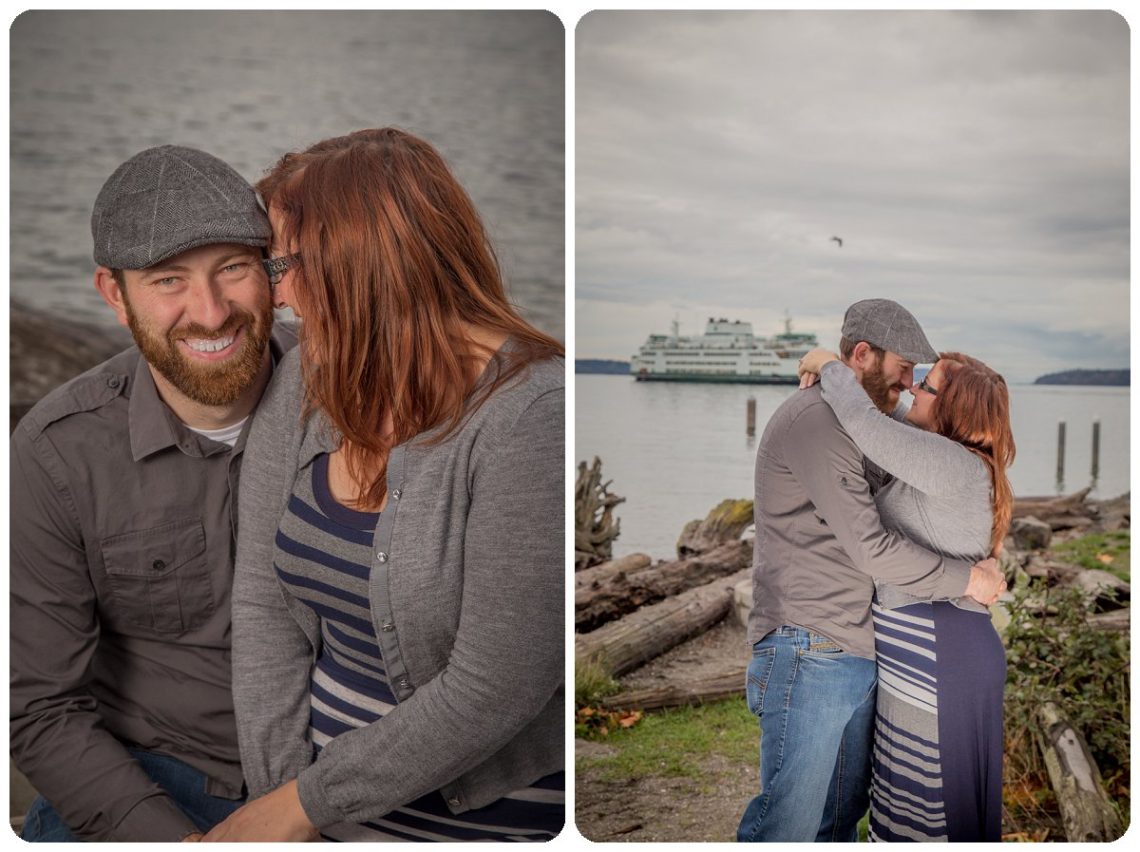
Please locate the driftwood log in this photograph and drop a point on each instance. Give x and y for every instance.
(1086, 809)
(609, 591)
(727, 683)
(1118, 620)
(623, 645)
(595, 526)
(1060, 513)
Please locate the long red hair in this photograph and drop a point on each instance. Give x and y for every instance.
(972, 407)
(395, 266)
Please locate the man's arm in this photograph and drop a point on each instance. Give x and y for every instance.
(57, 737)
(828, 465)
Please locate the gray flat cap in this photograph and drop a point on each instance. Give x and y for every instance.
(888, 325)
(166, 200)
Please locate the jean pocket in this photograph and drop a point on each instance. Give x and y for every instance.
(159, 577)
(759, 674)
(819, 644)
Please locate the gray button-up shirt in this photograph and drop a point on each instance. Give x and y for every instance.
(820, 545)
(123, 524)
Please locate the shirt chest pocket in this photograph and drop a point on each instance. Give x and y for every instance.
(159, 577)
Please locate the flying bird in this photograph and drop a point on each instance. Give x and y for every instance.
(838, 241)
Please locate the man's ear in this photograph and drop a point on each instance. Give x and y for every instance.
(863, 356)
(112, 294)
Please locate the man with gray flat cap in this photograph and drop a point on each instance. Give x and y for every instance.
(123, 500)
(820, 548)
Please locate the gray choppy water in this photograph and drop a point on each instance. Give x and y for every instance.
(89, 89)
(675, 450)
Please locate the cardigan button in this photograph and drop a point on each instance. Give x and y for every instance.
(454, 802)
(396, 494)
(381, 556)
(388, 626)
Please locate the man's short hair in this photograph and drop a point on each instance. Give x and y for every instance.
(847, 349)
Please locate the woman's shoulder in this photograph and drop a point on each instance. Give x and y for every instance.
(534, 380)
(533, 398)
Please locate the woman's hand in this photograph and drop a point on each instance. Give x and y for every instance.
(812, 363)
(275, 816)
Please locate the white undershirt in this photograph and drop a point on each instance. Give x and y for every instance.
(225, 435)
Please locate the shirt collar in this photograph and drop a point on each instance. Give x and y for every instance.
(152, 425)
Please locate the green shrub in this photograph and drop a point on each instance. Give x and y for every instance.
(1059, 657)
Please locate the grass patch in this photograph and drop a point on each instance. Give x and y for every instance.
(592, 683)
(1109, 551)
(676, 742)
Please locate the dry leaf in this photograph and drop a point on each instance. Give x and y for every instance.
(1104, 557)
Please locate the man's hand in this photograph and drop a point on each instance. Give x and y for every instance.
(986, 582)
(275, 816)
(812, 363)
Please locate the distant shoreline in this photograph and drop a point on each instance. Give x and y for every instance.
(1114, 378)
(601, 366)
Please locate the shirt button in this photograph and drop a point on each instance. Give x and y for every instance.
(113, 382)
(158, 565)
(381, 556)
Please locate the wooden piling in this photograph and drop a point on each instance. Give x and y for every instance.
(1060, 454)
(1095, 449)
(751, 417)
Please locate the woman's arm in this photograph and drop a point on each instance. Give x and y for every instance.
(507, 661)
(925, 460)
(271, 654)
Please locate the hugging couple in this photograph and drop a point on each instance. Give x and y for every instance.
(281, 584)
(877, 675)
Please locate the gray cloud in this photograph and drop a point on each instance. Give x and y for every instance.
(975, 164)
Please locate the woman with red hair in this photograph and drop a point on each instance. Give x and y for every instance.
(398, 599)
(937, 756)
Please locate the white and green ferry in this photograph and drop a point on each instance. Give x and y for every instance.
(726, 352)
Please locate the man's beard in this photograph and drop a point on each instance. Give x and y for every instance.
(878, 388)
(209, 383)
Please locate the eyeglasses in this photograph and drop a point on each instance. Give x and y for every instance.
(925, 387)
(276, 267)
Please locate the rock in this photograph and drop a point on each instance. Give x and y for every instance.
(1105, 591)
(1029, 533)
(1116, 513)
(47, 350)
(725, 523)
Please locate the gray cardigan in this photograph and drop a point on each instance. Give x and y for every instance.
(940, 496)
(467, 598)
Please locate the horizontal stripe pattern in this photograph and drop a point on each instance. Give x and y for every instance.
(907, 802)
(323, 554)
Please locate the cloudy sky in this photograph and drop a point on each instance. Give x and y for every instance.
(976, 166)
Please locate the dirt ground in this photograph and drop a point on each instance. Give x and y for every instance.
(672, 809)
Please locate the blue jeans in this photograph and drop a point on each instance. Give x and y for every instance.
(816, 705)
(184, 784)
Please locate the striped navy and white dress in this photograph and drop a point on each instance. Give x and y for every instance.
(349, 686)
(936, 763)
